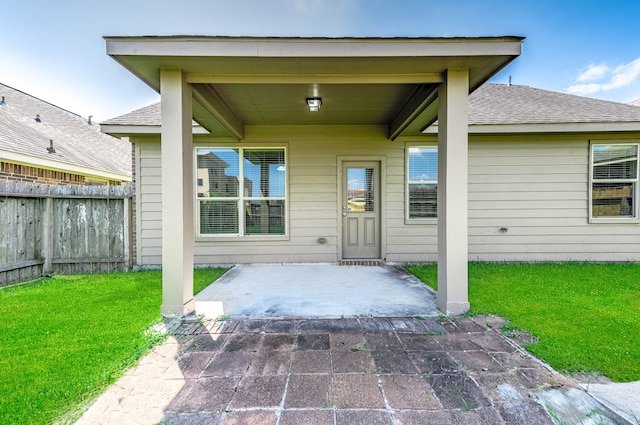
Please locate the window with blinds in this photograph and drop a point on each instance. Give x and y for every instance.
(422, 182)
(240, 191)
(614, 180)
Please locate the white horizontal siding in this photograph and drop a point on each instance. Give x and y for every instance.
(538, 189)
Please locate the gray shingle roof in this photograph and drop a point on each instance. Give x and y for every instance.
(149, 115)
(74, 140)
(492, 104)
(504, 104)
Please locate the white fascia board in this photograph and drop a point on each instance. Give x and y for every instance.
(35, 161)
(601, 127)
(322, 47)
(125, 130)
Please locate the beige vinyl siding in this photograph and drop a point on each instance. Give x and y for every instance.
(312, 210)
(536, 186)
(539, 191)
(149, 202)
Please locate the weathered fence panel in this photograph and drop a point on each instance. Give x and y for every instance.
(62, 230)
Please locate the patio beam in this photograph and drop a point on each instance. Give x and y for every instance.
(300, 78)
(176, 150)
(209, 99)
(424, 96)
(453, 297)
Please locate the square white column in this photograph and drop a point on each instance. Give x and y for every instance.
(453, 135)
(177, 194)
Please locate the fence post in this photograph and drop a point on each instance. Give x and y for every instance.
(126, 205)
(47, 236)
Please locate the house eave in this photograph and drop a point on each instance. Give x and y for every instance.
(549, 128)
(120, 130)
(35, 161)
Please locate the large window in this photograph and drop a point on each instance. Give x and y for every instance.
(614, 181)
(240, 191)
(422, 182)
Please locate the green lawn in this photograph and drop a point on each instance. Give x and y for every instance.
(586, 316)
(64, 339)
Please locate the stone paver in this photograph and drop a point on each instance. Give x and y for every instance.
(334, 371)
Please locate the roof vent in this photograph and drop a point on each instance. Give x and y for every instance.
(50, 149)
(38, 118)
(2, 102)
(89, 120)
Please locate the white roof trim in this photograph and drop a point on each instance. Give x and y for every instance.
(277, 47)
(591, 127)
(114, 129)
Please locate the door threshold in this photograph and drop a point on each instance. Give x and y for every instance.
(361, 262)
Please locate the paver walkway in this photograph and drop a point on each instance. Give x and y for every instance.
(341, 371)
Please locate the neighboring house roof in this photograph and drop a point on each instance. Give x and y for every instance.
(635, 102)
(489, 105)
(78, 146)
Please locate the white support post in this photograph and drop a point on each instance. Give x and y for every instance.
(453, 135)
(177, 194)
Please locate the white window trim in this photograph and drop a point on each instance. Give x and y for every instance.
(407, 219)
(614, 220)
(240, 236)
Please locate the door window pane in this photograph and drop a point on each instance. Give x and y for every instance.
(360, 190)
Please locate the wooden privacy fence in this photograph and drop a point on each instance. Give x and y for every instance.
(48, 230)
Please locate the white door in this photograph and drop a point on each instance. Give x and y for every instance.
(361, 210)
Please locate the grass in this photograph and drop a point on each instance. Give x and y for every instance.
(66, 338)
(585, 316)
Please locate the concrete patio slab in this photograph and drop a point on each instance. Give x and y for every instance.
(316, 290)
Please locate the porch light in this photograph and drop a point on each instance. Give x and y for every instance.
(314, 103)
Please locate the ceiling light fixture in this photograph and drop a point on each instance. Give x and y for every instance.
(314, 104)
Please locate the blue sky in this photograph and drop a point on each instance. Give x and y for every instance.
(54, 49)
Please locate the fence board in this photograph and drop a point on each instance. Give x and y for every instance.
(62, 229)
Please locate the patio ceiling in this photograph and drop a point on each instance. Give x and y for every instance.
(243, 81)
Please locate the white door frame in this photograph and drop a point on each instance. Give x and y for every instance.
(340, 160)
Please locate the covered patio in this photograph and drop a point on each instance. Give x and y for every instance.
(251, 90)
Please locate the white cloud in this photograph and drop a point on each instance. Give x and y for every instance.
(618, 77)
(625, 74)
(593, 72)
